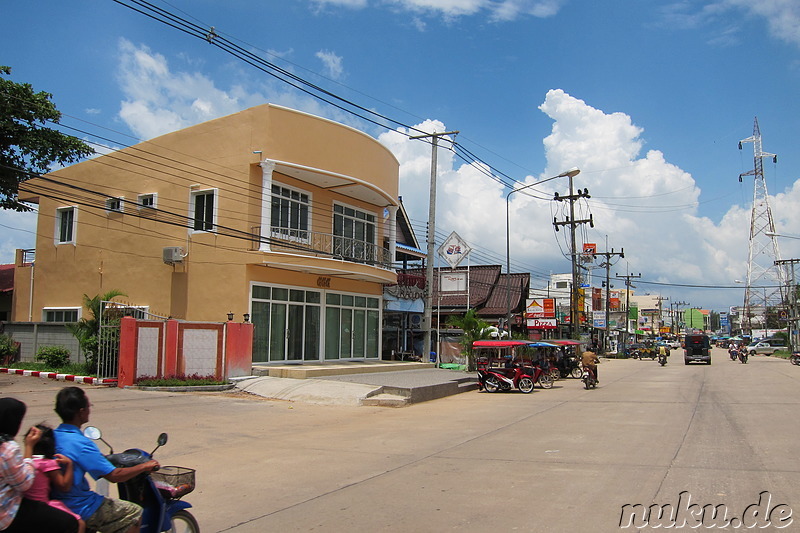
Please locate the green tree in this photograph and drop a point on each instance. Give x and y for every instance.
(87, 329)
(27, 147)
(474, 329)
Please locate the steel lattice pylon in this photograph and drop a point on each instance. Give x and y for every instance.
(765, 280)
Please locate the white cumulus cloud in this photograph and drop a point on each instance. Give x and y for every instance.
(332, 64)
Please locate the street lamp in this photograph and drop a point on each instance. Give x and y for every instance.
(773, 234)
(571, 173)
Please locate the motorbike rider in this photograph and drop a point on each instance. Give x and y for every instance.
(100, 513)
(662, 351)
(589, 360)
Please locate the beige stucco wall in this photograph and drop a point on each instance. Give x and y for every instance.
(124, 252)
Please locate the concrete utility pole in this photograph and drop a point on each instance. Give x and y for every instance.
(660, 316)
(572, 197)
(791, 300)
(607, 265)
(628, 285)
(427, 316)
(675, 316)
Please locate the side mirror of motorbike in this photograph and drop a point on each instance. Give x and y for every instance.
(91, 432)
(162, 440)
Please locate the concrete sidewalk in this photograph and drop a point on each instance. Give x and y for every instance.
(396, 388)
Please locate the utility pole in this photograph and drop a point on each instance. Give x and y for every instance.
(428, 315)
(791, 300)
(628, 285)
(673, 329)
(660, 316)
(572, 197)
(607, 265)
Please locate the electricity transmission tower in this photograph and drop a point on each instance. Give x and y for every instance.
(765, 279)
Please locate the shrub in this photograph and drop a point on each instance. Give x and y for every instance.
(53, 356)
(9, 350)
(178, 381)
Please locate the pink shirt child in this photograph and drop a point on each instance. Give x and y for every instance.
(40, 490)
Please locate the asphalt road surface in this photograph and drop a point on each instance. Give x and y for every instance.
(563, 459)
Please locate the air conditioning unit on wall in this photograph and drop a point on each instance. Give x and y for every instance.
(415, 320)
(173, 254)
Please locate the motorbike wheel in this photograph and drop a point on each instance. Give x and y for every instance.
(526, 385)
(545, 381)
(183, 522)
(491, 384)
(795, 360)
(555, 374)
(576, 372)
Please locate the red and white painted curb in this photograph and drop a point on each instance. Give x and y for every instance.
(89, 380)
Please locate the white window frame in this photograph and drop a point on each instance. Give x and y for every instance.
(140, 199)
(214, 193)
(290, 234)
(73, 230)
(111, 200)
(45, 310)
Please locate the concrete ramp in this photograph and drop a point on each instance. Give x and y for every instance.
(385, 389)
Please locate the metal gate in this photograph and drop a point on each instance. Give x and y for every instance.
(108, 333)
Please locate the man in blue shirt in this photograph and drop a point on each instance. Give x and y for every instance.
(105, 515)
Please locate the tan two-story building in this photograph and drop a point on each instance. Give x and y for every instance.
(270, 212)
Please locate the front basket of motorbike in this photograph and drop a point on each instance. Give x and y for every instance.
(174, 481)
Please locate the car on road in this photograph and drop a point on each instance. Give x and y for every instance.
(674, 345)
(697, 347)
(766, 347)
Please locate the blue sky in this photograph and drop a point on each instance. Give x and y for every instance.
(648, 98)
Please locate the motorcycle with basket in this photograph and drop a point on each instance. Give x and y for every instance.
(159, 493)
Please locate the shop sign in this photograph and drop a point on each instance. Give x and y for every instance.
(542, 323)
(541, 308)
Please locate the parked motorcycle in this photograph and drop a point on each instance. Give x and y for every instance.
(795, 358)
(743, 356)
(588, 378)
(159, 493)
(505, 379)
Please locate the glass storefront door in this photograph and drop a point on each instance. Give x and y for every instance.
(289, 325)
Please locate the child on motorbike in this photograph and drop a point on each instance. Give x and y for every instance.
(48, 465)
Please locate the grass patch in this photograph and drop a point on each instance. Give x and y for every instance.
(74, 369)
(179, 381)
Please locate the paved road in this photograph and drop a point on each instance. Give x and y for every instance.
(563, 459)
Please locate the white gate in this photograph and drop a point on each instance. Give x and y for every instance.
(108, 333)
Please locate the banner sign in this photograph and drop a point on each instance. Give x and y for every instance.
(597, 299)
(599, 319)
(542, 323)
(454, 281)
(541, 308)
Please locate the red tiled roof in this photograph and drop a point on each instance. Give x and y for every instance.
(488, 291)
(6, 278)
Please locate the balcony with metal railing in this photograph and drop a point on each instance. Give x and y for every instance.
(316, 244)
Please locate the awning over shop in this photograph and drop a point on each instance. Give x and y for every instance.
(499, 344)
